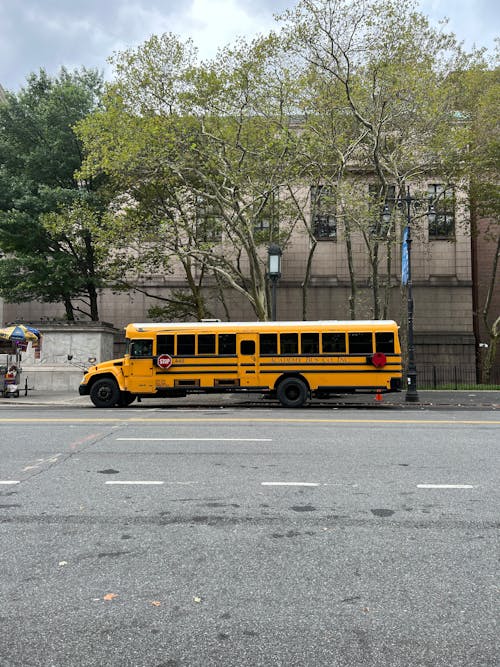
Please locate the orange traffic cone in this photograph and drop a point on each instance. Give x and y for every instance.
(378, 396)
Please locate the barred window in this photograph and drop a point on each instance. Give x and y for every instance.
(379, 206)
(323, 220)
(265, 217)
(209, 221)
(443, 201)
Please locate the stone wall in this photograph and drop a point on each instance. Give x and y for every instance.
(54, 370)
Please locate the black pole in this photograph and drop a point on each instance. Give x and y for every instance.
(411, 390)
(274, 280)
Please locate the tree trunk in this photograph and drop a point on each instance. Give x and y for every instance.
(307, 277)
(70, 312)
(352, 276)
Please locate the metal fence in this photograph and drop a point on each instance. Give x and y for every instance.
(453, 377)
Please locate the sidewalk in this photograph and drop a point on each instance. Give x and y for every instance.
(488, 400)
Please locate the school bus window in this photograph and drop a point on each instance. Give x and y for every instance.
(185, 345)
(360, 343)
(384, 342)
(141, 348)
(247, 347)
(206, 344)
(227, 343)
(268, 343)
(333, 343)
(309, 343)
(289, 343)
(165, 344)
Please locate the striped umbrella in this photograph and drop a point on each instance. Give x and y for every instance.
(19, 333)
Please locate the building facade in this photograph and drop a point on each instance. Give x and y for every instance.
(442, 275)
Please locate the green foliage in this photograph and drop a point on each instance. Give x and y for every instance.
(48, 219)
(178, 138)
(181, 306)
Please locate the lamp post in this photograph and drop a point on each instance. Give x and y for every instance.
(274, 273)
(406, 279)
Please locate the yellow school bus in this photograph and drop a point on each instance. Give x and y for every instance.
(292, 361)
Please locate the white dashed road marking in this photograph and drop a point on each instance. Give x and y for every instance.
(145, 482)
(445, 486)
(290, 484)
(9, 481)
(197, 439)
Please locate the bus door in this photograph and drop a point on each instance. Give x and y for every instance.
(138, 368)
(247, 359)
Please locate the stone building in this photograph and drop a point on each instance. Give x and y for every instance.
(442, 272)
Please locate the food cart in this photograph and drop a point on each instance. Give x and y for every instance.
(13, 341)
(10, 369)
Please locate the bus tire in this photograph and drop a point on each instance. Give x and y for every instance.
(126, 398)
(292, 392)
(104, 393)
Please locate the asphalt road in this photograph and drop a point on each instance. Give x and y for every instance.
(256, 537)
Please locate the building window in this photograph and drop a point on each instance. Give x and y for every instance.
(265, 217)
(209, 221)
(443, 201)
(323, 220)
(379, 208)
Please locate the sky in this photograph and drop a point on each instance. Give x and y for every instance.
(49, 34)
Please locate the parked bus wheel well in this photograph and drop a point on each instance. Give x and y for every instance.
(102, 376)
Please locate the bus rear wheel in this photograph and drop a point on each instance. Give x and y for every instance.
(104, 393)
(292, 392)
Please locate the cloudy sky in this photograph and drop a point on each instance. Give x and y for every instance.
(51, 33)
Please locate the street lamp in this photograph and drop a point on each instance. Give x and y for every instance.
(274, 273)
(406, 279)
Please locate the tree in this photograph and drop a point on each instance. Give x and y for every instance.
(204, 152)
(478, 99)
(381, 71)
(50, 220)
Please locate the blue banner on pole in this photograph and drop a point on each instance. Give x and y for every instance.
(404, 258)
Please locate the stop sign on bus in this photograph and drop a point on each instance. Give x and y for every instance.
(164, 361)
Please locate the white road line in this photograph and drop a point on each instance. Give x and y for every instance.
(41, 462)
(198, 439)
(290, 484)
(9, 481)
(445, 486)
(145, 482)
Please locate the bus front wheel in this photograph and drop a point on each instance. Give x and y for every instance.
(126, 398)
(104, 393)
(292, 392)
